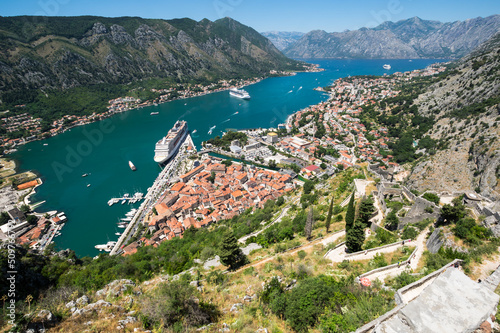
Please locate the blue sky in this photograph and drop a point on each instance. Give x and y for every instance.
(265, 15)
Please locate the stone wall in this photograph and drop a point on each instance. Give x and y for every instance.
(417, 212)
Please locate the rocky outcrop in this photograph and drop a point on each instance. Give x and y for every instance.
(435, 241)
(411, 38)
(465, 105)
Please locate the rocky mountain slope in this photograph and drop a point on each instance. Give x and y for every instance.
(411, 38)
(466, 107)
(282, 39)
(66, 52)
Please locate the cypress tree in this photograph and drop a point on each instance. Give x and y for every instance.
(349, 216)
(309, 224)
(365, 210)
(329, 216)
(355, 236)
(230, 253)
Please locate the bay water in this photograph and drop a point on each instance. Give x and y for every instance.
(103, 149)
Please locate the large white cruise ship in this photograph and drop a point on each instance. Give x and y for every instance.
(240, 93)
(168, 146)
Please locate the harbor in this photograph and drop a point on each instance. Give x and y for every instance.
(167, 174)
(111, 145)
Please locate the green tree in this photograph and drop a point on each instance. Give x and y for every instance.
(4, 218)
(25, 208)
(391, 220)
(31, 219)
(212, 177)
(230, 253)
(350, 214)
(365, 210)
(355, 237)
(453, 213)
(329, 216)
(309, 224)
(308, 186)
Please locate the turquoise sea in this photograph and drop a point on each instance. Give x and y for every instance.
(103, 149)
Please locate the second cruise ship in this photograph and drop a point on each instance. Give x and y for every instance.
(168, 145)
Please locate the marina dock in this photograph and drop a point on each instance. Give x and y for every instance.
(126, 198)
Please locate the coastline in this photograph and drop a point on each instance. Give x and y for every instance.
(312, 68)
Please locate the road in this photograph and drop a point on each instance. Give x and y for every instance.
(395, 271)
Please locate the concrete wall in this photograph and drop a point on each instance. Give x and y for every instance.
(362, 253)
(388, 267)
(408, 193)
(400, 294)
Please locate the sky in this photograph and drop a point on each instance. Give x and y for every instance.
(266, 15)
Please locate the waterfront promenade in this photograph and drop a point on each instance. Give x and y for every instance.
(169, 172)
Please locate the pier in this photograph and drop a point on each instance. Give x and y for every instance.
(126, 198)
(154, 192)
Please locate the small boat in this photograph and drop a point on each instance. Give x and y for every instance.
(88, 185)
(85, 175)
(132, 166)
(117, 234)
(153, 113)
(123, 226)
(195, 131)
(387, 66)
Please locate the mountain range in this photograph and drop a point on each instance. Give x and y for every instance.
(282, 39)
(405, 39)
(66, 52)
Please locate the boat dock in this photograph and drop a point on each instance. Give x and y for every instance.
(126, 198)
(154, 192)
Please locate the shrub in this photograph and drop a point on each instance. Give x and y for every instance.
(378, 261)
(249, 271)
(173, 304)
(217, 278)
(409, 232)
(432, 197)
(307, 302)
(302, 254)
(404, 279)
